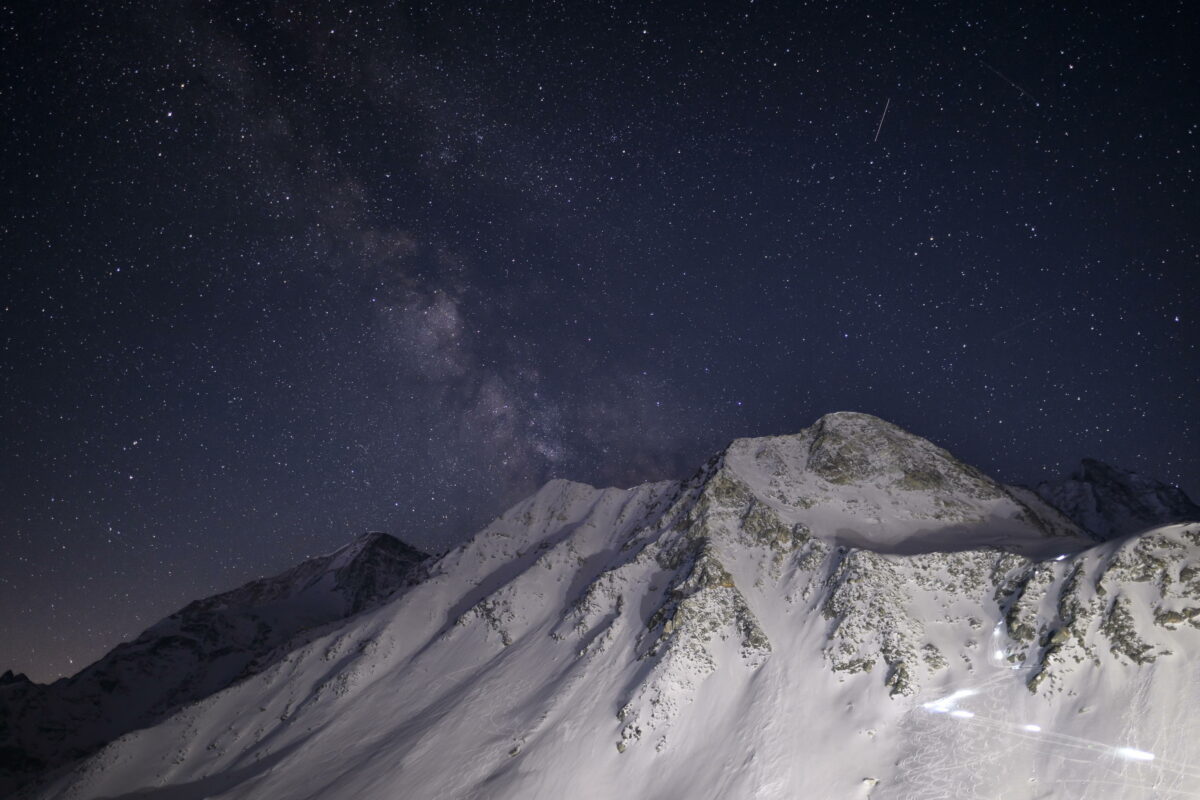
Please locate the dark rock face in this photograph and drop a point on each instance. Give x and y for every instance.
(9, 678)
(1112, 502)
(201, 649)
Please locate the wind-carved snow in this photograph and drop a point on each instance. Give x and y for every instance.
(845, 612)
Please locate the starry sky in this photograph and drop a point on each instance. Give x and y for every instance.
(278, 273)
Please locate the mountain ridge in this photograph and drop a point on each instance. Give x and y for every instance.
(204, 647)
(660, 633)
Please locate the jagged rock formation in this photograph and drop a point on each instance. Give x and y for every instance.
(1112, 502)
(842, 612)
(193, 653)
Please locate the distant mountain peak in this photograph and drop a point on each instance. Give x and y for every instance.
(18, 678)
(378, 539)
(1095, 470)
(368, 568)
(199, 650)
(372, 538)
(1111, 502)
(373, 545)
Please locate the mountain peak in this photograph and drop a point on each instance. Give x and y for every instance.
(9, 677)
(864, 482)
(372, 537)
(1093, 469)
(851, 419)
(375, 542)
(849, 447)
(372, 567)
(1111, 502)
(856, 424)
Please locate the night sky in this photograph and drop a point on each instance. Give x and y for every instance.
(275, 274)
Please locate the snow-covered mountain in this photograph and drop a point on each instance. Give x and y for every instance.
(1113, 502)
(193, 653)
(845, 612)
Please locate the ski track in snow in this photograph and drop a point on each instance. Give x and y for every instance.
(952, 754)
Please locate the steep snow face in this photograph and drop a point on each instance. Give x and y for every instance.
(193, 653)
(1112, 502)
(726, 637)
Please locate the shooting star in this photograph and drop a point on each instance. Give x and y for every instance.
(1010, 82)
(882, 117)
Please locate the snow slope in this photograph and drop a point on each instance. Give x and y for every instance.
(847, 612)
(195, 652)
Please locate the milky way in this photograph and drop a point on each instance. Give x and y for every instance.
(279, 273)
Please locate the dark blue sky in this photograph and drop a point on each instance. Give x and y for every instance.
(276, 274)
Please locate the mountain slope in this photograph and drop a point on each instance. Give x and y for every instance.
(1112, 502)
(846, 612)
(199, 650)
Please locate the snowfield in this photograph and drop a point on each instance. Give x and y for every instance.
(845, 612)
